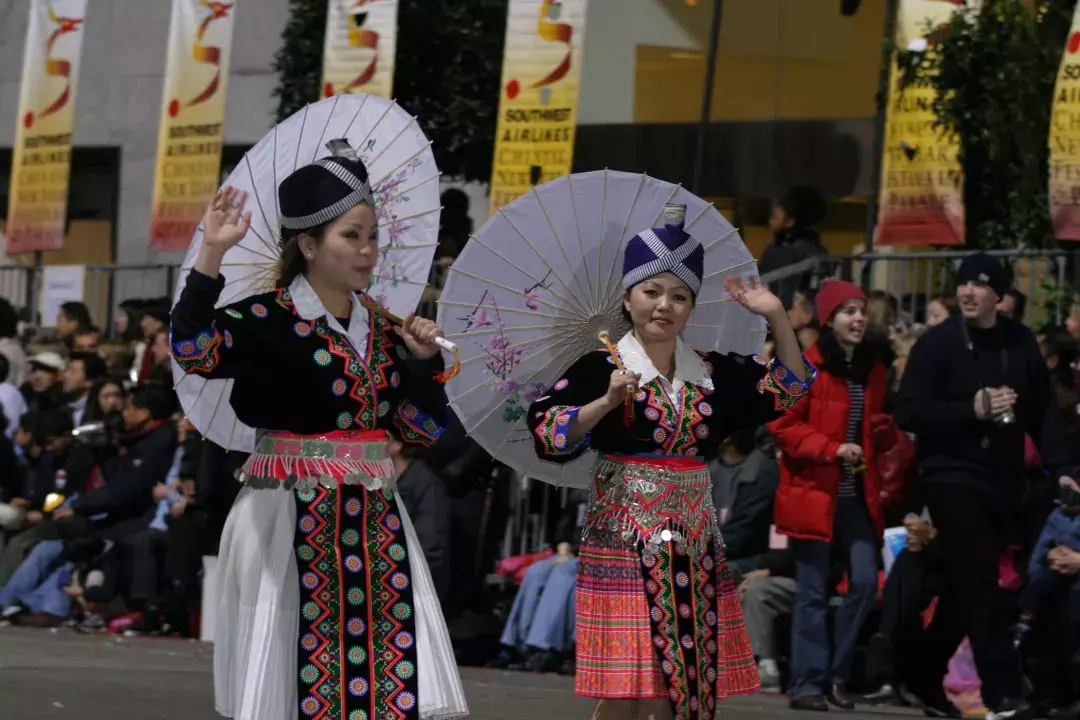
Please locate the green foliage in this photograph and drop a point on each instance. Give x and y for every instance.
(995, 73)
(449, 63)
(299, 61)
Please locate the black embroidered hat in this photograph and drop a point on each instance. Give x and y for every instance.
(317, 193)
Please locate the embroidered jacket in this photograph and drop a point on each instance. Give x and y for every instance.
(713, 397)
(295, 370)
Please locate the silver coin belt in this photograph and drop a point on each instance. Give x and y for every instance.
(653, 505)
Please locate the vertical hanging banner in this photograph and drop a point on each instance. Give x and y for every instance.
(192, 119)
(922, 183)
(1065, 140)
(41, 162)
(360, 47)
(541, 77)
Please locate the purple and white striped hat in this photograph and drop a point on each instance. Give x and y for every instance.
(665, 249)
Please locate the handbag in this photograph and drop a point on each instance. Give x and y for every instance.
(894, 451)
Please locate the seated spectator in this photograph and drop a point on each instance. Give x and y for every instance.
(1055, 562)
(72, 317)
(87, 339)
(939, 309)
(803, 318)
(11, 347)
(160, 353)
(111, 511)
(540, 627)
(83, 370)
(916, 578)
(767, 594)
(43, 390)
(423, 492)
(119, 355)
(1013, 305)
(11, 400)
(63, 469)
(744, 481)
(155, 319)
(106, 400)
(166, 552)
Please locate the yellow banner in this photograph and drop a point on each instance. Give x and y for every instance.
(922, 184)
(1065, 140)
(192, 119)
(360, 46)
(534, 138)
(41, 164)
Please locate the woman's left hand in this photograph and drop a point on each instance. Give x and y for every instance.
(753, 296)
(419, 336)
(1064, 561)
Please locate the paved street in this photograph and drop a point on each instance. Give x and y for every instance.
(61, 675)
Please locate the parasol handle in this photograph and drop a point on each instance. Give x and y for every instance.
(605, 337)
(443, 343)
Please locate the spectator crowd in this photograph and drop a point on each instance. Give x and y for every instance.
(110, 502)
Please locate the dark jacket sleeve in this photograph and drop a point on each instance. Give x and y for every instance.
(746, 532)
(757, 391)
(424, 494)
(919, 409)
(124, 489)
(1040, 393)
(190, 459)
(779, 563)
(549, 417)
(207, 341)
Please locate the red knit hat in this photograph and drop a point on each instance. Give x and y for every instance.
(833, 294)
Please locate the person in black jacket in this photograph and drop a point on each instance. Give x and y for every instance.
(794, 238)
(122, 504)
(973, 386)
(744, 480)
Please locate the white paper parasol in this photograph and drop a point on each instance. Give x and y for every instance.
(534, 287)
(405, 182)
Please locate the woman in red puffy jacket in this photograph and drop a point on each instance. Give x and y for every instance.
(829, 496)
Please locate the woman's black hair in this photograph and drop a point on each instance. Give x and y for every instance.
(93, 412)
(292, 259)
(77, 312)
(9, 319)
(1062, 345)
(835, 362)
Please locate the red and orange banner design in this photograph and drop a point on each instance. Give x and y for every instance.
(192, 119)
(922, 183)
(534, 140)
(41, 166)
(360, 46)
(1065, 140)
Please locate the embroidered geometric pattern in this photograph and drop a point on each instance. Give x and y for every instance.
(200, 354)
(357, 641)
(783, 383)
(415, 426)
(684, 643)
(554, 427)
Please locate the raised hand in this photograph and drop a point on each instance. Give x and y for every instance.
(753, 296)
(225, 223)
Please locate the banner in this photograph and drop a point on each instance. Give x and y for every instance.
(534, 138)
(922, 184)
(41, 161)
(192, 119)
(360, 46)
(1065, 140)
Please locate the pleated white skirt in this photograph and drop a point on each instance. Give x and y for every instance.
(255, 665)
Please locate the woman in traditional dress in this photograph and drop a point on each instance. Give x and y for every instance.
(659, 627)
(829, 499)
(327, 607)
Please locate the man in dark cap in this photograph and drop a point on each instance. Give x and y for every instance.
(973, 387)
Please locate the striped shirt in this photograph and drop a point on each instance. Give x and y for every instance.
(849, 483)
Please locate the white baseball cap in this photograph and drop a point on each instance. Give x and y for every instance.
(50, 360)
